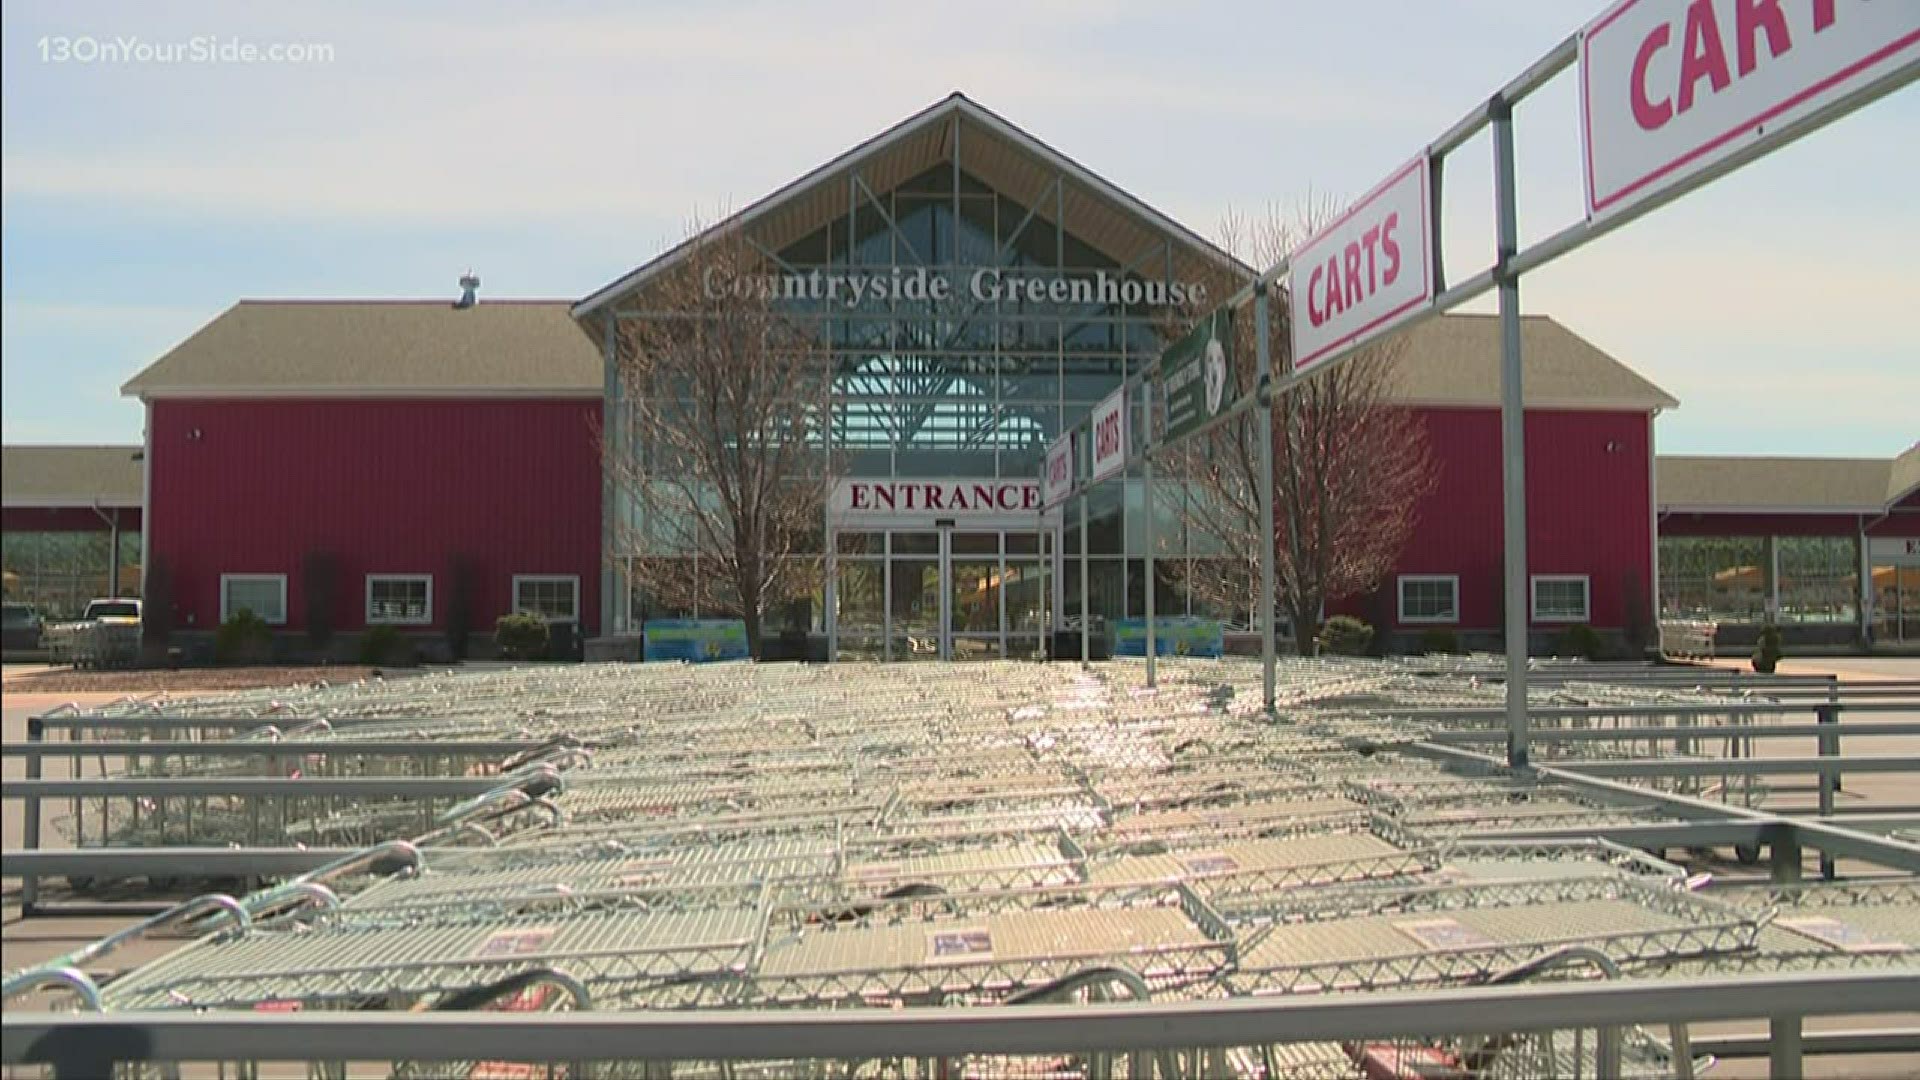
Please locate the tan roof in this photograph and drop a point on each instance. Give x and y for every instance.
(378, 347)
(1904, 476)
(70, 475)
(1773, 484)
(1455, 360)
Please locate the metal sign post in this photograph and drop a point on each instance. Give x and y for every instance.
(1147, 485)
(1513, 437)
(1263, 425)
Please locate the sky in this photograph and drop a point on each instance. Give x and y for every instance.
(552, 147)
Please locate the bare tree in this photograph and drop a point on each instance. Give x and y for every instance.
(1349, 465)
(721, 461)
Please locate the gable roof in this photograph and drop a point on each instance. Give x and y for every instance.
(1731, 485)
(71, 476)
(1903, 477)
(1454, 359)
(373, 348)
(993, 150)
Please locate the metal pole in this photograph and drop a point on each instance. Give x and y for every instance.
(1263, 428)
(1783, 1059)
(1146, 475)
(1513, 435)
(1086, 597)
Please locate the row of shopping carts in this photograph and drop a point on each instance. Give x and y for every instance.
(982, 837)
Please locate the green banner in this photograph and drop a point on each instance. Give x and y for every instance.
(1196, 379)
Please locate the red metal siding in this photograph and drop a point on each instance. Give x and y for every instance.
(399, 486)
(1588, 508)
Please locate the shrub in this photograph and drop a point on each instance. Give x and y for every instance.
(243, 639)
(386, 645)
(1344, 635)
(1767, 653)
(1440, 640)
(521, 635)
(1579, 640)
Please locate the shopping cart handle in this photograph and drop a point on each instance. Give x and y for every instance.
(184, 912)
(288, 903)
(71, 977)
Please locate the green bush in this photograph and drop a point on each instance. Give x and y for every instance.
(1439, 640)
(1579, 640)
(521, 635)
(243, 639)
(1344, 635)
(386, 645)
(1767, 652)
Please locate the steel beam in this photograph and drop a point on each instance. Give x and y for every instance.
(425, 787)
(86, 1044)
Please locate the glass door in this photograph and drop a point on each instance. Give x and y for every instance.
(974, 574)
(915, 597)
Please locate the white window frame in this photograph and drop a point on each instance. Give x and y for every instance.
(538, 579)
(425, 620)
(1586, 588)
(277, 579)
(1400, 594)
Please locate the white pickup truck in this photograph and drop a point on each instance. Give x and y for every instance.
(106, 635)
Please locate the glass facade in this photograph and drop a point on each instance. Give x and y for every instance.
(58, 572)
(1812, 579)
(967, 329)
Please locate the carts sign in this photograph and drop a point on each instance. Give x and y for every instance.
(1110, 435)
(1671, 88)
(1056, 482)
(1366, 273)
(934, 498)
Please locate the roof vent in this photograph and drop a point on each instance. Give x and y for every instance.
(468, 283)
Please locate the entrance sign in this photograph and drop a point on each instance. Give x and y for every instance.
(1177, 636)
(1367, 272)
(1195, 378)
(1057, 479)
(1669, 89)
(1109, 435)
(694, 640)
(886, 498)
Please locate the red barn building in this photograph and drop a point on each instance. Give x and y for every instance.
(430, 465)
(347, 464)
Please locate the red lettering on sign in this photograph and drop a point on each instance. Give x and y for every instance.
(1702, 56)
(983, 496)
(1314, 314)
(885, 495)
(1391, 247)
(1649, 114)
(1750, 17)
(1106, 437)
(934, 498)
(860, 496)
(1032, 497)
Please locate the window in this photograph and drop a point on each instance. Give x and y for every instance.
(1429, 598)
(400, 599)
(1560, 598)
(263, 594)
(554, 596)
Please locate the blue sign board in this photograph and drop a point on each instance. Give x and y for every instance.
(1179, 636)
(695, 640)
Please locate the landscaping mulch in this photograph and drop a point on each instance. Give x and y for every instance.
(147, 681)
